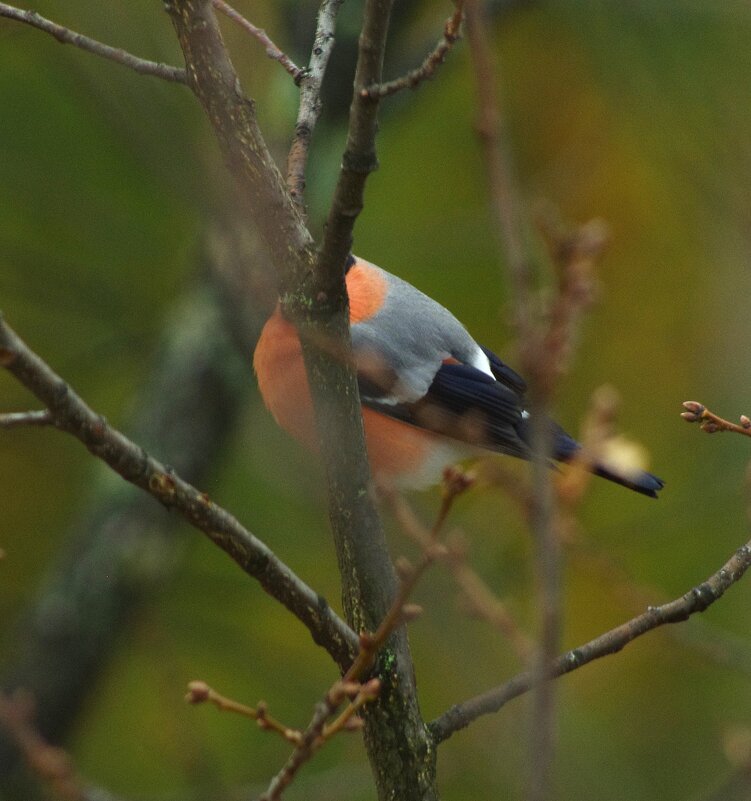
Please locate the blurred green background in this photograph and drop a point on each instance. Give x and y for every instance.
(634, 112)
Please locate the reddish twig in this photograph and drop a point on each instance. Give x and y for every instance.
(695, 600)
(51, 764)
(478, 598)
(712, 423)
(504, 197)
(272, 51)
(67, 36)
(432, 62)
(318, 731)
(199, 693)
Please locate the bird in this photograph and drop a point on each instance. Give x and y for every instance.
(431, 395)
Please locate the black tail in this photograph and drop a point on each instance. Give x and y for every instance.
(565, 448)
(639, 481)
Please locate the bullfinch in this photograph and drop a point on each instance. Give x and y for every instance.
(430, 394)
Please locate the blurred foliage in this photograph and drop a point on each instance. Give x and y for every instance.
(634, 112)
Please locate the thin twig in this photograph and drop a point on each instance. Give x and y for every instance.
(21, 419)
(51, 765)
(697, 599)
(71, 414)
(272, 51)
(302, 753)
(199, 692)
(712, 423)
(455, 483)
(310, 98)
(504, 196)
(475, 593)
(507, 209)
(427, 69)
(67, 36)
(318, 731)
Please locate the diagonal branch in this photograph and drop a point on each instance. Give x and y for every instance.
(67, 36)
(71, 414)
(432, 62)
(272, 51)
(695, 600)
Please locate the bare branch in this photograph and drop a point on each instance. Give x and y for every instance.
(272, 51)
(304, 751)
(310, 98)
(199, 693)
(695, 600)
(712, 423)
(432, 61)
(71, 414)
(505, 203)
(21, 419)
(49, 763)
(319, 732)
(67, 36)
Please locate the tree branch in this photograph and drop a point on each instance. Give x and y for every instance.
(214, 81)
(67, 36)
(314, 298)
(429, 66)
(695, 600)
(72, 415)
(272, 51)
(310, 98)
(712, 423)
(22, 419)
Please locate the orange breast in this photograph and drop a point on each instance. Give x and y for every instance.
(395, 449)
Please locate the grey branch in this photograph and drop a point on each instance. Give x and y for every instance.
(432, 61)
(67, 36)
(22, 419)
(272, 51)
(695, 600)
(310, 98)
(71, 414)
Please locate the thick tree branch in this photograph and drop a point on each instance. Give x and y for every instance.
(67, 36)
(695, 600)
(72, 415)
(401, 754)
(212, 78)
(314, 298)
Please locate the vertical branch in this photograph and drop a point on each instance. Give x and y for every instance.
(310, 98)
(504, 197)
(506, 207)
(314, 297)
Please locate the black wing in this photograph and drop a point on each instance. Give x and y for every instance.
(463, 403)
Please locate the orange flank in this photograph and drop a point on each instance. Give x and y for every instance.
(395, 449)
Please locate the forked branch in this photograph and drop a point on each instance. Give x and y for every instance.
(429, 66)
